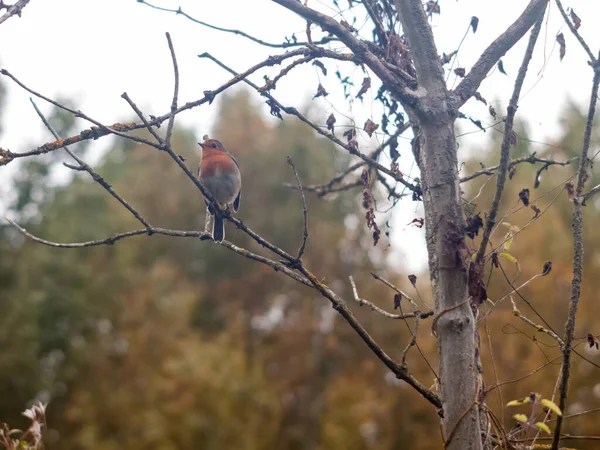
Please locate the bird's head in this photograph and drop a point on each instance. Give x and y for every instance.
(212, 144)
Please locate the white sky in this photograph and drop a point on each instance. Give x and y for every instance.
(93, 51)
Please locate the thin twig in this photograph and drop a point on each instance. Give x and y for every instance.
(577, 257)
(304, 210)
(506, 140)
(97, 178)
(530, 322)
(291, 43)
(141, 116)
(175, 93)
(362, 302)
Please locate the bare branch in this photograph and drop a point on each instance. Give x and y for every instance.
(304, 210)
(577, 257)
(13, 10)
(511, 111)
(179, 11)
(97, 178)
(530, 322)
(359, 48)
(531, 159)
(377, 309)
(497, 49)
(569, 23)
(175, 93)
(294, 112)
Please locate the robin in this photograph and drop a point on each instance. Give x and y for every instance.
(220, 173)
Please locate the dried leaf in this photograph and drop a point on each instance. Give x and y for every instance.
(397, 300)
(418, 222)
(524, 196)
(432, 7)
(513, 138)
(547, 268)
(413, 280)
(366, 84)
(394, 155)
(495, 260)
(576, 20)
(275, 110)
(501, 67)
(321, 66)
(350, 134)
(460, 71)
(321, 92)
(331, 122)
(512, 171)
(592, 342)
(474, 23)
(536, 211)
(370, 127)
(492, 112)
(478, 97)
(560, 38)
(474, 224)
(570, 190)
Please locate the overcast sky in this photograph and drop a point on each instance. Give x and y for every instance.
(93, 51)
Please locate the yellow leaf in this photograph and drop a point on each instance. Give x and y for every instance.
(542, 426)
(520, 418)
(519, 402)
(509, 240)
(551, 406)
(511, 259)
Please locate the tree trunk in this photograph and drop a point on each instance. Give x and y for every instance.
(435, 150)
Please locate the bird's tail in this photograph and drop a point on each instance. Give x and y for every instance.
(218, 230)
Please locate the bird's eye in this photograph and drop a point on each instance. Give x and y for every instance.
(214, 145)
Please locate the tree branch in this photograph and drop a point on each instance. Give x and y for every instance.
(569, 23)
(577, 258)
(469, 85)
(14, 9)
(511, 111)
(422, 45)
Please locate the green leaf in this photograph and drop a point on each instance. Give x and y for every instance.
(520, 418)
(542, 426)
(552, 406)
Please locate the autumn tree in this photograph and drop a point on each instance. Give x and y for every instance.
(401, 61)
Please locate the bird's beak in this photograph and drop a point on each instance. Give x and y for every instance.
(200, 144)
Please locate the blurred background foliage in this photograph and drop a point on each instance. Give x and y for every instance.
(169, 343)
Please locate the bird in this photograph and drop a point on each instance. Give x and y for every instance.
(220, 173)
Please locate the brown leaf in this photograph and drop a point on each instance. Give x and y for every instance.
(592, 341)
(460, 71)
(493, 112)
(370, 127)
(397, 300)
(350, 134)
(331, 122)
(513, 137)
(478, 97)
(576, 20)
(536, 210)
(524, 196)
(495, 260)
(560, 38)
(570, 190)
(419, 222)
(432, 7)
(512, 171)
(321, 66)
(321, 92)
(474, 224)
(413, 280)
(366, 84)
(547, 268)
